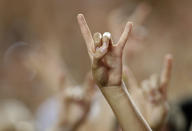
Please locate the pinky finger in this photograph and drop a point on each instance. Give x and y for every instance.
(166, 73)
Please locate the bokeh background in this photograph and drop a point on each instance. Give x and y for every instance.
(50, 26)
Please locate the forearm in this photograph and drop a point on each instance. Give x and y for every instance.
(106, 60)
(122, 105)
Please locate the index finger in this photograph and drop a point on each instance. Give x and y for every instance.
(85, 32)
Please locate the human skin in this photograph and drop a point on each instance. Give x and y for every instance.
(106, 63)
(150, 88)
(82, 98)
(139, 33)
(151, 95)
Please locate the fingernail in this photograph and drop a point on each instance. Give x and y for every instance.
(97, 39)
(107, 34)
(106, 37)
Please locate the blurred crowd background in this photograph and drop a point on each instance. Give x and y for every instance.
(41, 48)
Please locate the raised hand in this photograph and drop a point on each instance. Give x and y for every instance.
(106, 56)
(73, 97)
(139, 34)
(106, 63)
(151, 97)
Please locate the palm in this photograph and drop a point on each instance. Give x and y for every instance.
(107, 72)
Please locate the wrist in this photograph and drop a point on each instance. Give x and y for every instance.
(110, 85)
